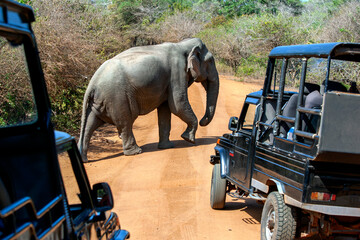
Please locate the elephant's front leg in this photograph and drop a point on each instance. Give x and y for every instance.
(164, 121)
(129, 144)
(180, 106)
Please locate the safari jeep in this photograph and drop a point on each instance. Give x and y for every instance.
(44, 190)
(296, 145)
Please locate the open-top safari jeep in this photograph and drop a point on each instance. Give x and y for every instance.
(44, 194)
(296, 144)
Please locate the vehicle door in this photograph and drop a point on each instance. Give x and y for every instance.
(29, 172)
(240, 162)
(76, 185)
(89, 207)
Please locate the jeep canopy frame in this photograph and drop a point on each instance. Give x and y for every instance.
(338, 51)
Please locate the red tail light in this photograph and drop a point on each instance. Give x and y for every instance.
(321, 196)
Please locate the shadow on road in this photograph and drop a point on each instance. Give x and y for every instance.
(150, 147)
(248, 205)
(107, 158)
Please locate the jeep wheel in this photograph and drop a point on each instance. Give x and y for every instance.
(218, 189)
(277, 219)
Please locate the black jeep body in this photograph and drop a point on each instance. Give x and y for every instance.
(298, 147)
(33, 201)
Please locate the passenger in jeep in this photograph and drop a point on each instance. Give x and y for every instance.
(353, 88)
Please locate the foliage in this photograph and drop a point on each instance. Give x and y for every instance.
(344, 25)
(174, 28)
(75, 36)
(274, 30)
(16, 103)
(229, 48)
(131, 13)
(67, 109)
(253, 66)
(233, 8)
(28, 2)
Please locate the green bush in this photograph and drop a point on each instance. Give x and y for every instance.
(16, 109)
(253, 66)
(227, 47)
(274, 30)
(67, 109)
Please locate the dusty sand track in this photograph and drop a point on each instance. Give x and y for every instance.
(164, 194)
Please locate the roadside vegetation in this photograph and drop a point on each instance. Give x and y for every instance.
(75, 36)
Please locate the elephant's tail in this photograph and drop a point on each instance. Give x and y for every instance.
(88, 99)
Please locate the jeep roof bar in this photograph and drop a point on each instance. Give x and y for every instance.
(337, 50)
(16, 15)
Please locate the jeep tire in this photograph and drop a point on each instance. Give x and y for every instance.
(218, 189)
(278, 221)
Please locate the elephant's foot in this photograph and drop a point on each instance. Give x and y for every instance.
(132, 151)
(165, 145)
(84, 159)
(188, 137)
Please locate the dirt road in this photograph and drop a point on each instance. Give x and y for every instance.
(165, 194)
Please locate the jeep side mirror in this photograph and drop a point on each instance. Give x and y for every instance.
(233, 122)
(102, 196)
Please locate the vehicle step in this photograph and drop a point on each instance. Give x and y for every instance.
(257, 196)
(236, 194)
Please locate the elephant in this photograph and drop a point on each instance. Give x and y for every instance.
(140, 79)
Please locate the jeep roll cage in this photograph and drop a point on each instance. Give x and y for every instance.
(330, 130)
(338, 51)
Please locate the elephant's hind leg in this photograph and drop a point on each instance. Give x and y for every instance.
(91, 124)
(164, 121)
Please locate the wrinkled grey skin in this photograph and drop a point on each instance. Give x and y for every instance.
(140, 79)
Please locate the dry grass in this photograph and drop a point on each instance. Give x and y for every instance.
(178, 27)
(67, 53)
(74, 38)
(344, 26)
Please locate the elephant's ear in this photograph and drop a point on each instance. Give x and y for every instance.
(193, 62)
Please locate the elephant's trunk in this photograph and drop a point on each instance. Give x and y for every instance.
(212, 92)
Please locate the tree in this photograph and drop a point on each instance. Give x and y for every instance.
(232, 8)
